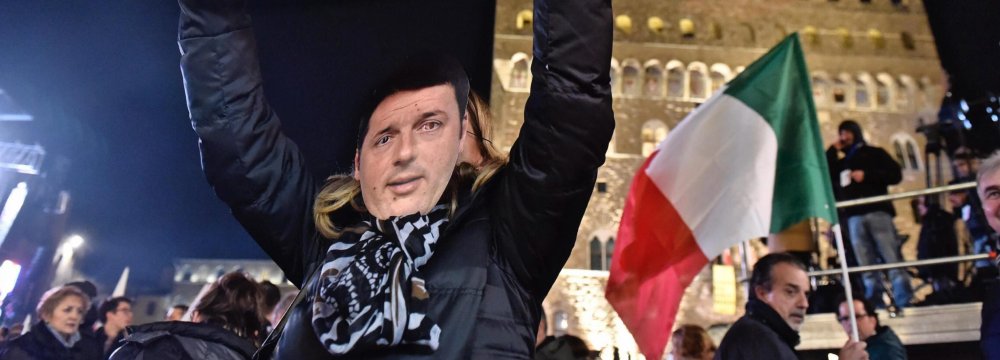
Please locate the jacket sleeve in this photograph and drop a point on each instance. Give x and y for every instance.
(247, 159)
(885, 169)
(567, 126)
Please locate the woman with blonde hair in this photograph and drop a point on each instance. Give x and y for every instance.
(57, 336)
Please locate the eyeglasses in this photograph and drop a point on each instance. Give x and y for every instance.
(848, 318)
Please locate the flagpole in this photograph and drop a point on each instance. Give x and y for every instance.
(846, 281)
(745, 268)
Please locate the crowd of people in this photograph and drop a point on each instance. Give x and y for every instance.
(428, 182)
(227, 321)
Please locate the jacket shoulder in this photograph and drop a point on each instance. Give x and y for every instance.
(749, 339)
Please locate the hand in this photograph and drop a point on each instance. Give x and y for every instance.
(838, 145)
(853, 350)
(857, 176)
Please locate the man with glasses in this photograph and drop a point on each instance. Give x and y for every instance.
(882, 342)
(115, 315)
(988, 188)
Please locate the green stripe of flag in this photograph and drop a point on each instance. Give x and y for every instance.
(777, 87)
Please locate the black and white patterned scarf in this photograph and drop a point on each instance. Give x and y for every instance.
(371, 293)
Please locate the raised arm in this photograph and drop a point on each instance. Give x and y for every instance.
(568, 124)
(249, 162)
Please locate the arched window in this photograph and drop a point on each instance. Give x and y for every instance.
(602, 244)
(840, 90)
(675, 79)
(697, 81)
(519, 71)
(719, 74)
(906, 151)
(653, 133)
(899, 153)
(653, 79)
(596, 254)
(912, 155)
(885, 88)
(630, 78)
(927, 92)
(821, 89)
(609, 249)
(905, 93)
(862, 100)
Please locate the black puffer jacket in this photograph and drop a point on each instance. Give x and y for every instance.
(760, 334)
(880, 172)
(41, 344)
(181, 340)
(505, 245)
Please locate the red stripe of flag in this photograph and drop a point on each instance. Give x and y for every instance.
(655, 259)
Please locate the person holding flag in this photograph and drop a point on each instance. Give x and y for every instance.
(746, 163)
(779, 291)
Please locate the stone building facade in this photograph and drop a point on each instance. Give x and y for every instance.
(871, 61)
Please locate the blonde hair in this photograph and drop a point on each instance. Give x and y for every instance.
(481, 126)
(342, 190)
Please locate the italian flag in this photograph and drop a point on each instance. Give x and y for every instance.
(747, 162)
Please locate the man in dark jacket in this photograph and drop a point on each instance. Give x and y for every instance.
(988, 189)
(495, 254)
(882, 342)
(860, 171)
(116, 314)
(775, 311)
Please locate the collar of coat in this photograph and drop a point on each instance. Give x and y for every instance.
(763, 313)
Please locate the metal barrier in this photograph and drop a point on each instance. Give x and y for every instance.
(905, 195)
(903, 264)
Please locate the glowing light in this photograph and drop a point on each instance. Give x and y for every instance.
(74, 242)
(9, 271)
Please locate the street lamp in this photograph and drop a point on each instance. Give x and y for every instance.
(73, 242)
(64, 260)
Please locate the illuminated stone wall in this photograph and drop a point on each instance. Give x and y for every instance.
(660, 74)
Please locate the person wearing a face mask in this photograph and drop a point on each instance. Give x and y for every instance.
(58, 335)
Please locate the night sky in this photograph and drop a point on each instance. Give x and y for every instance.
(103, 83)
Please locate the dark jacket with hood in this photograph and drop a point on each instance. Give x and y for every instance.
(505, 244)
(885, 345)
(41, 344)
(881, 170)
(182, 340)
(760, 334)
